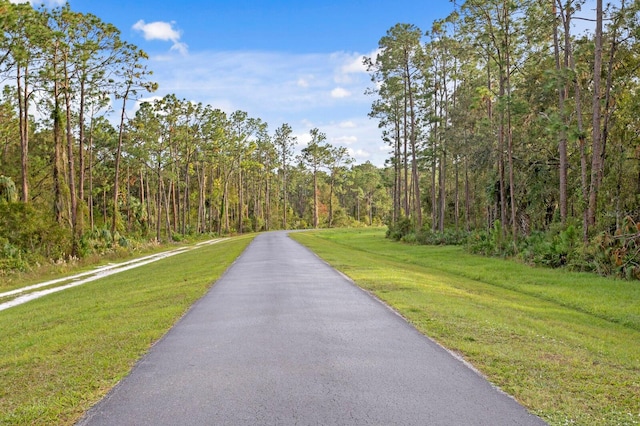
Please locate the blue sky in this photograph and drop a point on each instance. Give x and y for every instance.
(295, 62)
(282, 61)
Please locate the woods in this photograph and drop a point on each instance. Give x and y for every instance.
(81, 173)
(508, 129)
(519, 127)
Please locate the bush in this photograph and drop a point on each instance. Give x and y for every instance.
(489, 243)
(562, 246)
(410, 238)
(257, 224)
(12, 258)
(32, 232)
(177, 237)
(401, 228)
(554, 248)
(617, 254)
(448, 237)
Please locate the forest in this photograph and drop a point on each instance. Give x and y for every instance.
(508, 131)
(79, 175)
(515, 133)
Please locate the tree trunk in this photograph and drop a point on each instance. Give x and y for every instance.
(104, 204)
(225, 205)
(514, 224)
(566, 20)
(71, 172)
(562, 142)
(414, 160)
(116, 179)
(167, 207)
(81, 148)
(160, 190)
(315, 198)
(405, 158)
(240, 201)
(456, 201)
(596, 159)
(90, 171)
(174, 199)
(267, 203)
(330, 219)
(443, 160)
(23, 110)
(467, 196)
(128, 199)
(145, 223)
(57, 156)
(397, 172)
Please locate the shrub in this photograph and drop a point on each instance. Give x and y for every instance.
(489, 243)
(554, 248)
(448, 237)
(12, 258)
(617, 254)
(177, 237)
(32, 232)
(401, 228)
(410, 238)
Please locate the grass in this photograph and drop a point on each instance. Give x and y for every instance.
(566, 345)
(10, 280)
(62, 353)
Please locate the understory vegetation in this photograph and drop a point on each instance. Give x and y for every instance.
(606, 254)
(515, 134)
(564, 344)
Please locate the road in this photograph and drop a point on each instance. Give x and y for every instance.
(284, 339)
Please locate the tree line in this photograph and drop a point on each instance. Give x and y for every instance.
(78, 176)
(507, 129)
(503, 118)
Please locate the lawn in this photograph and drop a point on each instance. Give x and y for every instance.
(566, 345)
(60, 354)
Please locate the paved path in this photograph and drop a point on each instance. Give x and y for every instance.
(283, 339)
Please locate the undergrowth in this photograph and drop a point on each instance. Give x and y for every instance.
(606, 253)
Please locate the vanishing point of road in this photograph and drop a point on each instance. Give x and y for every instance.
(284, 339)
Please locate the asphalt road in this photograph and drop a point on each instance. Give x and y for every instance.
(283, 339)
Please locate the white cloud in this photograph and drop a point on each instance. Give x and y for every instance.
(182, 48)
(161, 31)
(345, 140)
(306, 123)
(351, 67)
(358, 153)
(356, 64)
(302, 139)
(340, 92)
(150, 99)
(278, 88)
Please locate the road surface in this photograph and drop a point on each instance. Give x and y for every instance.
(284, 339)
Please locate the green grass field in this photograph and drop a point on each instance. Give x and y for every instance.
(60, 354)
(566, 345)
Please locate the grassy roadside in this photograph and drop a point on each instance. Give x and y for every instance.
(566, 345)
(54, 270)
(62, 353)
